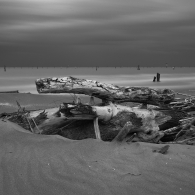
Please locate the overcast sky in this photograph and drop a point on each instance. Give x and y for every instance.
(97, 32)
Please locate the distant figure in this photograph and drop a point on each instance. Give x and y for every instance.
(138, 68)
(5, 68)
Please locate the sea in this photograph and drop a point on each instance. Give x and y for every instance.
(179, 79)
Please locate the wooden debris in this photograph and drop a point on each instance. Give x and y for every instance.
(106, 92)
(162, 150)
(123, 132)
(115, 117)
(96, 127)
(161, 118)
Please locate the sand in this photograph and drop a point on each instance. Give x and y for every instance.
(52, 165)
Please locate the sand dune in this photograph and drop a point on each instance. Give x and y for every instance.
(52, 165)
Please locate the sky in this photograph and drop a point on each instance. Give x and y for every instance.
(97, 33)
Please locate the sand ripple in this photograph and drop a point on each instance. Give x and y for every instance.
(39, 164)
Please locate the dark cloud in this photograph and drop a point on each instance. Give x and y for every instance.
(97, 32)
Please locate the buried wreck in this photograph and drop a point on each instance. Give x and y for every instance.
(153, 115)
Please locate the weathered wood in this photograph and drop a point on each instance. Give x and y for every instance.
(153, 137)
(106, 92)
(49, 120)
(149, 119)
(96, 127)
(123, 132)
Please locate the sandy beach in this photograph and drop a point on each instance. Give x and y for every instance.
(50, 164)
(40, 164)
(97, 97)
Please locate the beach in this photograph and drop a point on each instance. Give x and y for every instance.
(50, 164)
(177, 79)
(40, 164)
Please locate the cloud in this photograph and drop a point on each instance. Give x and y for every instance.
(100, 30)
(20, 16)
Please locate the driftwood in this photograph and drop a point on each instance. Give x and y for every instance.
(79, 121)
(57, 117)
(113, 118)
(123, 132)
(106, 92)
(160, 118)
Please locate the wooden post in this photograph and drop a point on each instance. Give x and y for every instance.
(96, 127)
(158, 77)
(154, 79)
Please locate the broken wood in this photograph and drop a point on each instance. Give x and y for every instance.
(167, 117)
(47, 120)
(112, 117)
(123, 132)
(96, 127)
(106, 92)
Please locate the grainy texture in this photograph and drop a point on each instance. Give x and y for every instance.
(50, 165)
